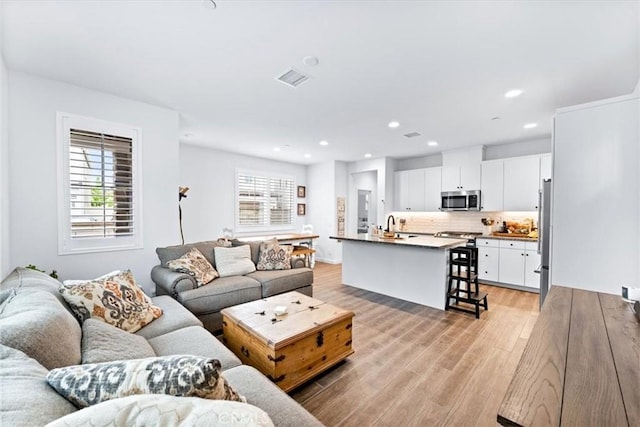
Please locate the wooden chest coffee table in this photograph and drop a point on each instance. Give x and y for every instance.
(291, 348)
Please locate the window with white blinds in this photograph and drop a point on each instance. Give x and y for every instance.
(100, 184)
(264, 201)
(100, 198)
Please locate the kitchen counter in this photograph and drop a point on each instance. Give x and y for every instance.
(412, 268)
(424, 241)
(519, 238)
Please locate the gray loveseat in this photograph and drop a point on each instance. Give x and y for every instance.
(207, 301)
(38, 332)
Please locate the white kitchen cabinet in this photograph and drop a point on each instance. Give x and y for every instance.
(401, 191)
(531, 263)
(492, 186)
(517, 262)
(521, 183)
(416, 190)
(409, 189)
(511, 267)
(488, 259)
(432, 189)
(545, 168)
(457, 178)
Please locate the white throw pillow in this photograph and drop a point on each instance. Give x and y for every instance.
(234, 261)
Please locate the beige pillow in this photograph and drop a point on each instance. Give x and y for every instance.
(155, 410)
(273, 256)
(189, 376)
(102, 342)
(234, 261)
(196, 265)
(115, 298)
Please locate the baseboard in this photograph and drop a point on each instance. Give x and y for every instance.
(329, 261)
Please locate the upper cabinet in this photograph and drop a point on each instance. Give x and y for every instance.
(492, 186)
(418, 189)
(512, 184)
(461, 169)
(456, 178)
(432, 189)
(521, 183)
(409, 190)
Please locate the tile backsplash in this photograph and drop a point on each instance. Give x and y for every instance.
(432, 222)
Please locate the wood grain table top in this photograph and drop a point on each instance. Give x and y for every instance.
(305, 315)
(581, 365)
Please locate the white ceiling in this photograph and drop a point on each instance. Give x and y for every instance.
(440, 68)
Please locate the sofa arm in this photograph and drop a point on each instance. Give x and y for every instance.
(171, 282)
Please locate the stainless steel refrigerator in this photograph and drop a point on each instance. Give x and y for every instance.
(544, 237)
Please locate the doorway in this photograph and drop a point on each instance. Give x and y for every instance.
(364, 204)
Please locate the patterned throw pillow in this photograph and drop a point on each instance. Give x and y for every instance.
(158, 410)
(196, 265)
(86, 385)
(114, 298)
(273, 256)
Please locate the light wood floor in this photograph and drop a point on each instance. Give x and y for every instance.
(418, 366)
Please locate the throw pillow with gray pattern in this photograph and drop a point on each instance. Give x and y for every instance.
(196, 265)
(273, 256)
(86, 385)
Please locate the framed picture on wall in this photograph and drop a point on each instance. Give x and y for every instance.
(302, 209)
(302, 191)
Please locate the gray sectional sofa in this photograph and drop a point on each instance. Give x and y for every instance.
(38, 332)
(207, 301)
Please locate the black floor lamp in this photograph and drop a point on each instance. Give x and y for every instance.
(182, 192)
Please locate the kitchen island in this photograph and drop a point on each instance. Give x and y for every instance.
(410, 268)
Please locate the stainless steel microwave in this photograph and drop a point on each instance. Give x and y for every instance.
(460, 200)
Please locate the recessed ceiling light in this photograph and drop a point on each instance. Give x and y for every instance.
(393, 124)
(311, 61)
(530, 125)
(324, 143)
(276, 148)
(432, 143)
(209, 4)
(307, 156)
(368, 155)
(513, 93)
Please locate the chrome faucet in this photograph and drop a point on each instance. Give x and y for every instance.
(393, 221)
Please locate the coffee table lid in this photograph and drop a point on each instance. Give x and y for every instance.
(305, 315)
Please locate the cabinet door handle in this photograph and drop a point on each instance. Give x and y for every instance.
(522, 254)
(527, 255)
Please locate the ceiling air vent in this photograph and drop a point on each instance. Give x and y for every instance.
(412, 134)
(292, 78)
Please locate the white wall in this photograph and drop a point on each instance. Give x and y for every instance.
(384, 204)
(5, 259)
(410, 163)
(365, 181)
(329, 182)
(491, 152)
(596, 185)
(210, 175)
(33, 103)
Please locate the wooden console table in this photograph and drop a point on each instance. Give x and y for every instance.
(581, 365)
(305, 239)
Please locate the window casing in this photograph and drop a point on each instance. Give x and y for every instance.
(99, 185)
(264, 202)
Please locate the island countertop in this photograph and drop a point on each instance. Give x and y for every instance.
(417, 241)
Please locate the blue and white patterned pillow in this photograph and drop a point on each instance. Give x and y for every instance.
(90, 384)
